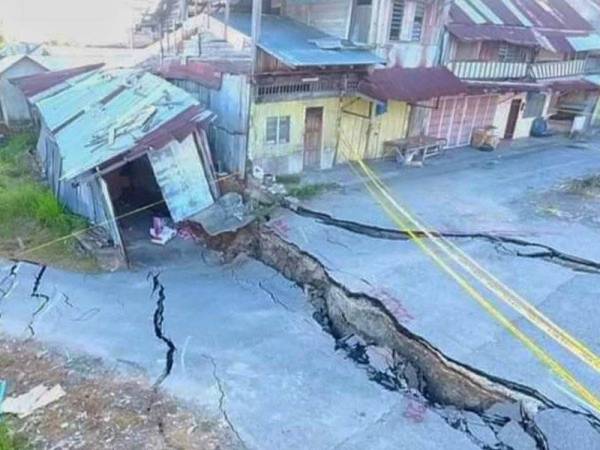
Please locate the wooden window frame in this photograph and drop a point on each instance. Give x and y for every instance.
(282, 127)
(405, 31)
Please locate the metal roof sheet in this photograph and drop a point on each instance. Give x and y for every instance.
(296, 44)
(411, 85)
(558, 40)
(8, 61)
(203, 73)
(490, 32)
(545, 14)
(595, 79)
(113, 112)
(591, 42)
(35, 84)
(572, 85)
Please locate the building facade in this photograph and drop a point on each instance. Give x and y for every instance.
(535, 58)
(325, 80)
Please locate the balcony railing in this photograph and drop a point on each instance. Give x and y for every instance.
(292, 86)
(488, 70)
(499, 70)
(557, 69)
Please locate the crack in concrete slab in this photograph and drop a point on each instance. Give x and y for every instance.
(67, 300)
(276, 300)
(222, 398)
(35, 294)
(8, 282)
(158, 321)
(544, 252)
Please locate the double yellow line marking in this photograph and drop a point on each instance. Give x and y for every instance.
(505, 293)
(407, 223)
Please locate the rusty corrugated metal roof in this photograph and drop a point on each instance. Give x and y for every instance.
(544, 14)
(547, 24)
(34, 84)
(411, 85)
(114, 112)
(200, 72)
(491, 32)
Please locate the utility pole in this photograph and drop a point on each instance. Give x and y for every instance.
(256, 22)
(226, 18)
(198, 29)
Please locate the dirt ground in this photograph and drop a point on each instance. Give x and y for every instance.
(102, 409)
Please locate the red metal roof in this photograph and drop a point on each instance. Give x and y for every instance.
(558, 40)
(574, 85)
(490, 32)
(485, 87)
(34, 84)
(411, 85)
(200, 72)
(544, 14)
(206, 73)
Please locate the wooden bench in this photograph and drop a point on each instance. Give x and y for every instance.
(413, 151)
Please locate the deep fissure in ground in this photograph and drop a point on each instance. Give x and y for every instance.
(363, 328)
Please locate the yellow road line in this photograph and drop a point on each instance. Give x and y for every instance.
(543, 356)
(505, 293)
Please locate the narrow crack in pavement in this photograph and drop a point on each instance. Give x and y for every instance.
(272, 296)
(8, 282)
(222, 397)
(544, 251)
(158, 320)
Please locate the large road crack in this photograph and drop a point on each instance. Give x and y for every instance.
(360, 323)
(511, 245)
(158, 319)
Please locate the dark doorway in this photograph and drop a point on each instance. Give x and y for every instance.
(513, 116)
(133, 186)
(313, 136)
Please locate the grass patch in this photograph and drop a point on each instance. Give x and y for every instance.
(295, 188)
(31, 216)
(11, 441)
(288, 179)
(589, 186)
(308, 191)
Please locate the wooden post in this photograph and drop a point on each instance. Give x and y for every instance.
(256, 22)
(226, 18)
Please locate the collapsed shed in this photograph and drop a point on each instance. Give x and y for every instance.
(123, 141)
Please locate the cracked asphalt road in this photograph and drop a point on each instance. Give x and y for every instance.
(248, 352)
(240, 340)
(467, 192)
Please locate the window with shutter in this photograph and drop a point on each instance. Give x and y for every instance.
(419, 20)
(397, 18)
